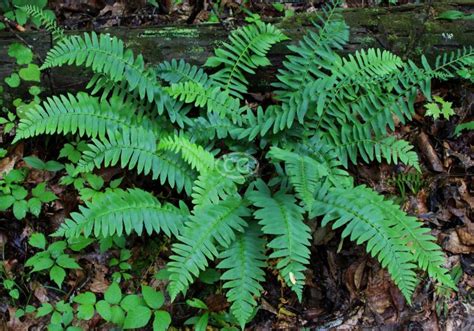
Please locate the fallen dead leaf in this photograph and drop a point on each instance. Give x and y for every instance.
(451, 242)
(429, 152)
(39, 291)
(353, 277)
(8, 163)
(466, 234)
(99, 282)
(379, 298)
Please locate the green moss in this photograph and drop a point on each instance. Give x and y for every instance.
(171, 32)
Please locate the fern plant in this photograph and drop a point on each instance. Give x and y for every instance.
(176, 122)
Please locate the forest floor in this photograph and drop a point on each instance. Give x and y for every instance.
(346, 288)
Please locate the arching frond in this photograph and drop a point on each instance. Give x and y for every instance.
(209, 226)
(80, 114)
(123, 212)
(244, 262)
(281, 217)
(246, 51)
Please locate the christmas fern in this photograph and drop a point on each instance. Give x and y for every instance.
(244, 262)
(245, 52)
(281, 217)
(176, 123)
(209, 226)
(123, 212)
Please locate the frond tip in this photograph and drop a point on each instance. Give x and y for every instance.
(396, 240)
(281, 217)
(244, 262)
(209, 226)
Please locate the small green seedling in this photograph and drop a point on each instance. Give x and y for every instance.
(51, 257)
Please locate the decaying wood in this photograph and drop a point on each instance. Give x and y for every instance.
(407, 30)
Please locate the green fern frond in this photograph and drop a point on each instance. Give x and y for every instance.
(280, 216)
(327, 156)
(80, 114)
(137, 149)
(304, 173)
(428, 255)
(314, 53)
(449, 64)
(205, 128)
(180, 71)
(195, 155)
(211, 187)
(47, 20)
(246, 51)
(107, 55)
(209, 226)
(123, 212)
(365, 222)
(354, 142)
(245, 263)
(212, 98)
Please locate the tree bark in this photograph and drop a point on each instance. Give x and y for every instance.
(408, 30)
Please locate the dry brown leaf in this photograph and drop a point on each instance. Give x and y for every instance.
(466, 234)
(39, 291)
(99, 283)
(429, 152)
(452, 243)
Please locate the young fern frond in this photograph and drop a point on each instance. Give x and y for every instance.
(366, 223)
(314, 51)
(195, 155)
(80, 114)
(180, 71)
(304, 172)
(120, 212)
(280, 216)
(209, 226)
(246, 51)
(244, 262)
(211, 187)
(47, 21)
(212, 98)
(107, 55)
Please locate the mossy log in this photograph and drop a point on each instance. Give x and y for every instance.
(408, 30)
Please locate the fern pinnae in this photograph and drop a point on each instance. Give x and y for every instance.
(80, 114)
(174, 72)
(365, 223)
(246, 51)
(123, 212)
(244, 262)
(46, 20)
(209, 226)
(137, 149)
(281, 217)
(107, 55)
(195, 155)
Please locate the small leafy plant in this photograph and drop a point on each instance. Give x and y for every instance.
(439, 108)
(51, 257)
(133, 311)
(14, 195)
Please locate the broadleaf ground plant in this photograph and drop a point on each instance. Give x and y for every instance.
(178, 124)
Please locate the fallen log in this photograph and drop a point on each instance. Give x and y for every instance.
(408, 30)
